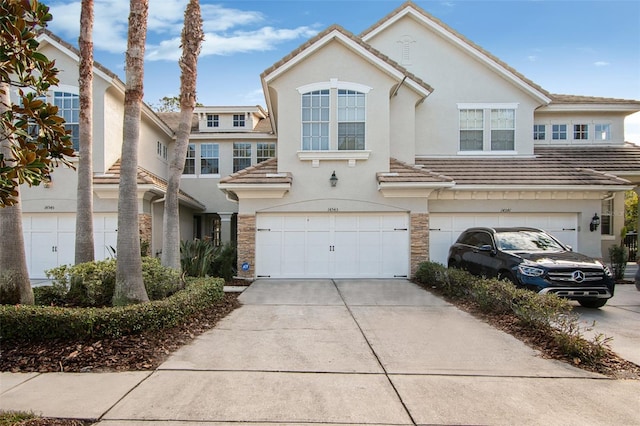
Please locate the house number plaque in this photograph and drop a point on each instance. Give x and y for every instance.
(332, 209)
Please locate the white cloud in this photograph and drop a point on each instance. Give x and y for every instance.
(165, 26)
(601, 64)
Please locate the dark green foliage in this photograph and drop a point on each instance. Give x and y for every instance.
(546, 312)
(201, 258)
(50, 322)
(93, 283)
(619, 256)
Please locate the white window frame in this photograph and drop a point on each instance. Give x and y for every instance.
(333, 153)
(487, 129)
(239, 120)
(606, 217)
(264, 151)
(580, 132)
(602, 132)
(558, 133)
(539, 132)
(191, 157)
(213, 120)
(238, 149)
(215, 157)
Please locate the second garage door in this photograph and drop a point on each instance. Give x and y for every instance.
(340, 245)
(444, 228)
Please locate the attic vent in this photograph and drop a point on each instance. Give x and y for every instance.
(405, 49)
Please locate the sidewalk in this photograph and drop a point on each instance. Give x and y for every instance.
(381, 352)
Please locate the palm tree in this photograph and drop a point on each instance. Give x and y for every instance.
(192, 36)
(129, 285)
(84, 217)
(14, 277)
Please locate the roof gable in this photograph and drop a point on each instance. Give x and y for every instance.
(409, 9)
(337, 33)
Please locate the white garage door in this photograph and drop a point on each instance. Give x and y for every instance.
(444, 228)
(49, 239)
(339, 245)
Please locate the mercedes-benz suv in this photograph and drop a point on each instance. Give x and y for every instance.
(533, 259)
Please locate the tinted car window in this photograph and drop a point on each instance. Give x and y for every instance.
(528, 241)
(476, 239)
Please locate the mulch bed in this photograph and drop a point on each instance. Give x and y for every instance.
(145, 351)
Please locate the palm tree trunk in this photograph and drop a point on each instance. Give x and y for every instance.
(192, 36)
(15, 286)
(129, 285)
(84, 217)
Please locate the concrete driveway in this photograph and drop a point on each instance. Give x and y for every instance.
(381, 352)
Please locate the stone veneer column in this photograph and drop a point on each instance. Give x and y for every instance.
(146, 226)
(419, 240)
(246, 244)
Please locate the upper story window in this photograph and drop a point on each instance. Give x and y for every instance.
(351, 120)
(241, 156)
(315, 120)
(559, 132)
(471, 129)
(190, 161)
(209, 159)
(238, 120)
(539, 132)
(503, 129)
(581, 131)
(213, 120)
(69, 108)
(487, 127)
(264, 151)
(603, 132)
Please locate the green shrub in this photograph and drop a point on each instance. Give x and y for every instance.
(23, 322)
(619, 256)
(92, 283)
(224, 263)
(196, 257)
(546, 312)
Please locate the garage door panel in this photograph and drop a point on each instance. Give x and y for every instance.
(333, 245)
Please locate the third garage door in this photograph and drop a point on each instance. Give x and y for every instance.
(445, 228)
(332, 245)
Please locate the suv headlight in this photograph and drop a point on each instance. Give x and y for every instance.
(530, 271)
(607, 271)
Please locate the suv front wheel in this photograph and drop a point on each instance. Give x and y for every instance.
(593, 303)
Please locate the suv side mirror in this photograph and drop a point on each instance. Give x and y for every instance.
(487, 247)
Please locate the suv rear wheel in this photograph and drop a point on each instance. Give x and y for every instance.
(593, 303)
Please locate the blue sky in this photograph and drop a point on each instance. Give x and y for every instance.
(571, 47)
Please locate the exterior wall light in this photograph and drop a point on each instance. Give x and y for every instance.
(595, 222)
(333, 179)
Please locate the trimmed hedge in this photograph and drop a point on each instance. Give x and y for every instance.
(541, 312)
(22, 322)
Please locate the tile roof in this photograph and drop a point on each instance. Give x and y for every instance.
(622, 159)
(145, 177)
(172, 119)
(356, 40)
(400, 172)
(576, 99)
(262, 173)
(526, 172)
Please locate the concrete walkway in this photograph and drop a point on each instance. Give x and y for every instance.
(381, 352)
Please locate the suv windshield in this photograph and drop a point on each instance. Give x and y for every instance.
(527, 241)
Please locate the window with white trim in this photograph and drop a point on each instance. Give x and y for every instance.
(558, 132)
(241, 156)
(351, 120)
(161, 150)
(539, 132)
(238, 120)
(471, 130)
(264, 151)
(315, 120)
(213, 120)
(503, 129)
(487, 127)
(209, 159)
(69, 108)
(190, 161)
(603, 132)
(581, 132)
